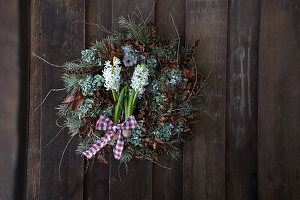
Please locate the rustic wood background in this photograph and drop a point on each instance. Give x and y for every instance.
(249, 146)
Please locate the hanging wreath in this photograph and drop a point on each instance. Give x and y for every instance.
(135, 94)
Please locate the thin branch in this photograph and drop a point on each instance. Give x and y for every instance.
(54, 137)
(193, 85)
(178, 45)
(45, 61)
(61, 158)
(211, 69)
(139, 15)
(87, 166)
(153, 161)
(100, 27)
(151, 11)
(52, 90)
(56, 122)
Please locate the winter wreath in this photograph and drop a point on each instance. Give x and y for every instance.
(133, 93)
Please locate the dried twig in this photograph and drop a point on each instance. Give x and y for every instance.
(99, 26)
(139, 15)
(151, 11)
(193, 85)
(153, 161)
(178, 45)
(45, 61)
(54, 137)
(52, 90)
(61, 158)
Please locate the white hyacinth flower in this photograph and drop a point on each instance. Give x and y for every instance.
(112, 75)
(140, 78)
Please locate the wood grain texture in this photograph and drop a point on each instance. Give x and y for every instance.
(56, 39)
(9, 90)
(204, 157)
(279, 97)
(35, 93)
(245, 135)
(137, 182)
(168, 184)
(97, 175)
(241, 116)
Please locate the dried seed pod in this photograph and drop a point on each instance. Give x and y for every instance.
(126, 133)
(154, 145)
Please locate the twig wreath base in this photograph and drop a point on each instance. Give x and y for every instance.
(133, 93)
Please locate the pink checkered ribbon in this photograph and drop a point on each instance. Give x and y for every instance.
(105, 124)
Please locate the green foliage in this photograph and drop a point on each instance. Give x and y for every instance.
(90, 84)
(85, 107)
(100, 46)
(135, 30)
(71, 82)
(72, 123)
(174, 152)
(87, 142)
(127, 155)
(63, 110)
(136, 136)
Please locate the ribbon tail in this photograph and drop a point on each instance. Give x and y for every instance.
(119, 147)
(99, 144)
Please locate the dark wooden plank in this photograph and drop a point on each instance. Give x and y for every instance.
(204, 157)
(168, 184)
(33, 143)
(9, 89)
(24, 32)
(137, 183)
(279, 97)
(97, 12)
(57, 39)
(97, 175)
(241, 116)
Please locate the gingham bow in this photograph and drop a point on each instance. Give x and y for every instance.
(105, 124)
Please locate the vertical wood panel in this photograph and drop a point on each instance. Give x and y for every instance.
(241, 117)
(33, 144)
(279, 97)
(97, 175)
(204, 157)
(137, 182)
(9, 97)
(55, 37)
(168, 184)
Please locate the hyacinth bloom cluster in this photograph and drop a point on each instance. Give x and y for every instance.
(140, 78)
(112, 75)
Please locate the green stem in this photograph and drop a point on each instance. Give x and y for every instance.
(118, 107)
(114, 96)
(126, 107)
(133, 102)
(130, 101)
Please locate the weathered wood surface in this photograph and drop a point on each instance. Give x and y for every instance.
(279, 97)
(247, 147)
(56, 38)
(9, 90)
(204, 157)
(241, 97)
